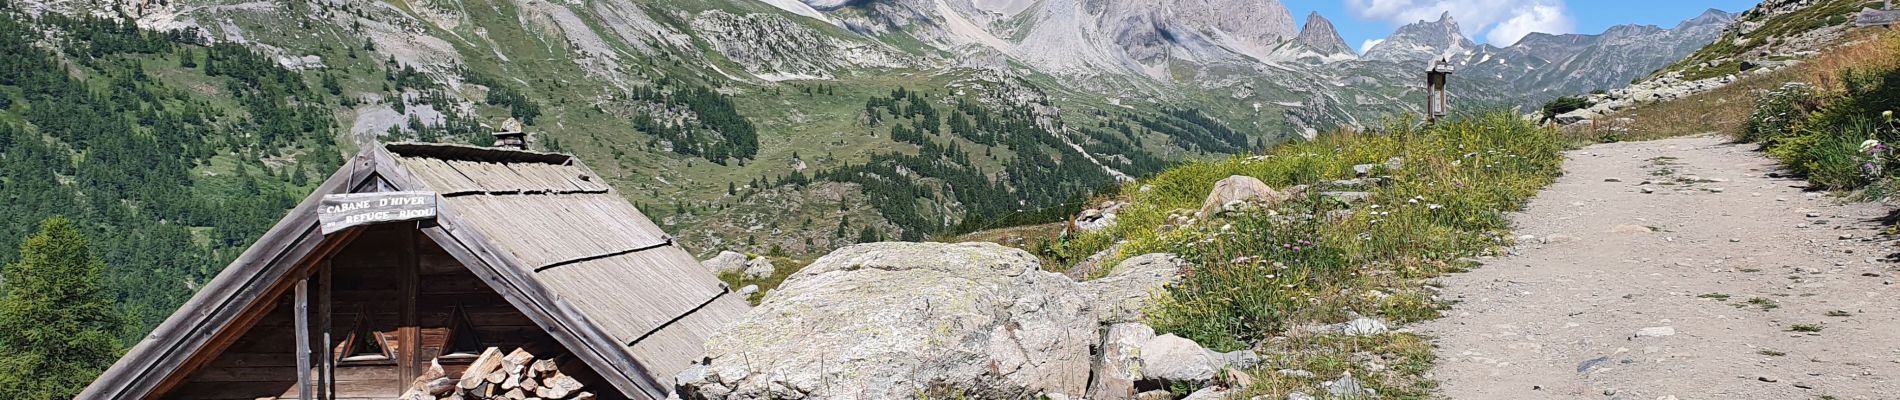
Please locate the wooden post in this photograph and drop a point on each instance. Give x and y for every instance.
(302, 317)
(409, 334)
(326, 384)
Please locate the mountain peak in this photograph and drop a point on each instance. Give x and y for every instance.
(1320, 36)
(1709, 17)
(1422, 41)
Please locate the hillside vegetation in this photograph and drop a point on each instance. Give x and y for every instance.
(1263, 273)
(1836, 126)
(171, 154)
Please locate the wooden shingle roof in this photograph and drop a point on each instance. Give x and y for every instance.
(581, 241)
(541, 228)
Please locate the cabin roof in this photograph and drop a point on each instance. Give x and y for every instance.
(542, 228)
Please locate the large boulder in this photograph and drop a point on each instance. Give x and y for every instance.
(726, 262)
(1133, 357)
(759, 268)
(1120, 296)
(1099, 218)
(1237, 190)
(894, 320)
(1120, 365)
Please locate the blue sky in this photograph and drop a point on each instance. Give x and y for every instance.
(1496, 21)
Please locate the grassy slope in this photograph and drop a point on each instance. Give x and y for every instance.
(1726, 54)
(1726, 110)
(1258, 274)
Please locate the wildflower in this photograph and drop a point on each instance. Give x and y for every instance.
(1888, 115)
(1433, 206)
(1868, 145)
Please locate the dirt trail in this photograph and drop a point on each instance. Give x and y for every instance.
(1620, 294)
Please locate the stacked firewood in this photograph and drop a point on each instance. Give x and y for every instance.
(515, 376)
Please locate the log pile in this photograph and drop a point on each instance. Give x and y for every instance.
(515, 376)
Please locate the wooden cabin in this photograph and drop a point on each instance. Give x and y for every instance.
(516, 252)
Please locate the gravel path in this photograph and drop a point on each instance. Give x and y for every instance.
(1635, 277)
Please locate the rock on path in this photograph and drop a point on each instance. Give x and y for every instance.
(1624, 313)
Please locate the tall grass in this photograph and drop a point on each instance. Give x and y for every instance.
(1726, 110)
(1837, 128)
(1256, 273)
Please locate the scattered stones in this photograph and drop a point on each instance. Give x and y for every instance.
(1349, 197)
(1155, 395)
(1345, 386)
(1390, 164)
(1556, 238)
(1361, 326)
(1295, 373)
(1592, 364)
(1658, 331)
(1299, 396)
(1612, 179)
(1208, 393)
(1629, 228)
(1769, 379)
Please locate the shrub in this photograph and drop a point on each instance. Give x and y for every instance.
(1776, 112)
(1561, 105)
(1833, 160)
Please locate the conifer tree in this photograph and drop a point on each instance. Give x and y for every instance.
(56, 322)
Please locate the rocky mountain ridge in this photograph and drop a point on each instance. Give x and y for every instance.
(1771, 36)
(739, 104)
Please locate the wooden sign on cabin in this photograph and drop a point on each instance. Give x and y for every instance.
(344, 211)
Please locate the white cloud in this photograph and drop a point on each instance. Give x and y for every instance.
(1539, 18)
(1501, 22)
(1368, 44)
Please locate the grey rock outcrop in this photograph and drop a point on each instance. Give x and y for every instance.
(1120, 296)
(1236, 190)
(890, 320)
(1099, 218)
(1133, 357)
(759, 268)
(726, 262)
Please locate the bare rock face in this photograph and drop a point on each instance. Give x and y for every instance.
(1099, 218)
(1120, 296)
(759, 268)
(1240, 189)
(1320, 36)
(726, 262)
(1133, 357)
(892, 320)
